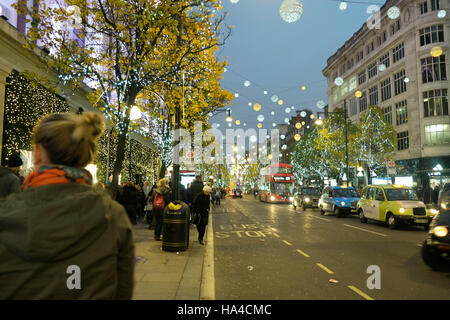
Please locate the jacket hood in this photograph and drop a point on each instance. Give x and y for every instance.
(162, 190)
(53, 222)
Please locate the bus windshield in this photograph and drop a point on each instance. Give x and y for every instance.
(311, 191)
(346, 193)
(282, 189)
(400, 194)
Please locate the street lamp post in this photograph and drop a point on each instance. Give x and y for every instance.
(319, 122)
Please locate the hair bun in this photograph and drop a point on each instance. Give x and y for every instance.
(90, 126)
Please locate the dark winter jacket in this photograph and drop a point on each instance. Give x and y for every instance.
(46, 230)
(9, 182)
(129, 198)
(166, 193)
(195, 189)
(201, 205)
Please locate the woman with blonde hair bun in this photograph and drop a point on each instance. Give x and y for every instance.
(61, 238)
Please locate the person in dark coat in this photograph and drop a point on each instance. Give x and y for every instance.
(195, 189)
(201, 206)
(141, 203)
(164, 190)
(129, 199)
(9, 177)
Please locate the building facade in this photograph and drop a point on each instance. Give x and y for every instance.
(401, 64)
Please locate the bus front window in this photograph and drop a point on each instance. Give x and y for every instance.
(282, 189)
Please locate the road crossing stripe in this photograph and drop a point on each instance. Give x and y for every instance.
(301, 252)
(324, 268)
(288, 243)
(362, 294)
(380, 234)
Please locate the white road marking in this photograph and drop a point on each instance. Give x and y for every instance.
(362, 294)
(361, 229)
(207, 287)
(324, 268)
(319, 218)
(303, 253)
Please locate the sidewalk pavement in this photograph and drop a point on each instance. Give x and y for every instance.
(162, 275)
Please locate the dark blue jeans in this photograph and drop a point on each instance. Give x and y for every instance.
(158, 225)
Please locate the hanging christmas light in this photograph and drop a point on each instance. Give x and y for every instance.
(256, 107)
(297, 137)
(441, 14)
(339, 81)
(274, 98)
(320, 104)
(382, 67)
(280, 102)
(291, 10)
(238, 122)
(343, 5)
(265, 92)
(303, 114)
(247, 83)
(260, 118)
(358, 94)
(234, 1)
(436, 52)
(259, 125)
(303, 88)
(393, 12)
(298, 125)
(287, 110)
(236, 95)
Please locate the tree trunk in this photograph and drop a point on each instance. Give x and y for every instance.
(162, 170)
(120, 157)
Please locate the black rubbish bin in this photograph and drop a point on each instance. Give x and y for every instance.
(176, 227)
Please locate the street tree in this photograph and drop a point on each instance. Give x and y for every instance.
(375, 140)
(121, 49)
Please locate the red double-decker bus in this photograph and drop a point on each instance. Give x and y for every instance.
(276, 183)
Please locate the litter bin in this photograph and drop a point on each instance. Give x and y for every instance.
(176, 227)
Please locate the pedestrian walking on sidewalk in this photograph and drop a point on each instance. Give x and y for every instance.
(201, 208)
(60, 238)
(160, 198)
(129, 198)
(9, 176)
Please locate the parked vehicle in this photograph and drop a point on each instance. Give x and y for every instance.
(436, 248)
(306, 197)
(395, 205)
(340, 200)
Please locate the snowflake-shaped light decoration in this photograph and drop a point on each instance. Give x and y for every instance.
(287, 110)
(274, 124)
(406, 80)
(256, 107)
(303, 114)
(320, 104)
(272, 113)
(441, 14)
(358, 94)
(298, 125)
(234, 1)
(247, 83)
(297, 137)
(253, 139)
(259, 125)
(280, 102)
(236, 95)
(282, 137)
(291, 10)
(382, 67)
(274, 98)
(393, 12)
(284, 147)
(260, 118)
(343, 5)
(286, 120)
(339, 81)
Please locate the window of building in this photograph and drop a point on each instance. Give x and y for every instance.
(372, 69)
(423, 7)
(402, 140)
(431, 34)
(437, 134)
(399, 82)
(352, 83)
(363, 102)
(387, 114)
(385, 60)
(384, 36)
(433, 69)
(350, 64)
(386, 89)
(434, 5)
(401, 111)
(399, 25)
(373, 95)
(367, 50)
(362, 77)
(353, 107)
(435, 103)
(398, 52)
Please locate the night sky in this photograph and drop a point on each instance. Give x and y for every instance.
(281, 57)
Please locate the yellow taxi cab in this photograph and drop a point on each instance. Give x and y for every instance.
(395, 205)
